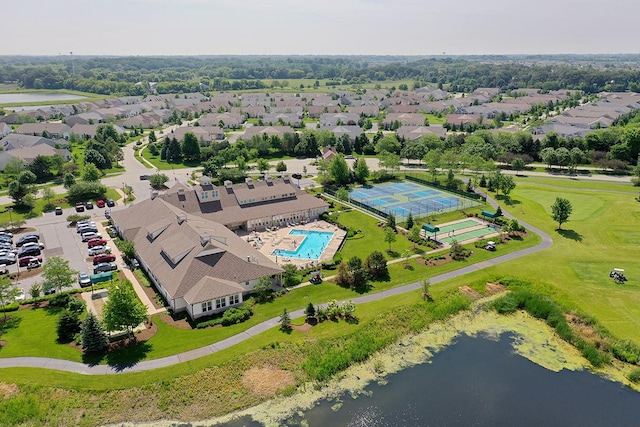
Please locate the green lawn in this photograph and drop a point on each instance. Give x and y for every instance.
(163, 165)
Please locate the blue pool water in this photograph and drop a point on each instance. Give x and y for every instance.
(311, 244)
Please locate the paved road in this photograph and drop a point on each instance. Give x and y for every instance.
(68, 366)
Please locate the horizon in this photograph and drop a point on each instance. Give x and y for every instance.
(328, 28)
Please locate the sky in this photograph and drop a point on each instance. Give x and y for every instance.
(321, 27)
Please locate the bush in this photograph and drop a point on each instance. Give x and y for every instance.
(86, 190)
(626, 351)
(229, 317)
(594, 356)
(68, 326)
(634, 376)
(76, 305)
(14, 306)
(60, 300)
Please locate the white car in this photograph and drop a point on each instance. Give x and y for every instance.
(90, 235)
(35, 245)
(99, 250)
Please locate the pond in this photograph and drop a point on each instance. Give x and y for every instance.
(12, 98)
(481, 382)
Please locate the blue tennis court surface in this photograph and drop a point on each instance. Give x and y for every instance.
(402, 198)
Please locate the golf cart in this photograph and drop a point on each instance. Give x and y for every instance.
(617, 274)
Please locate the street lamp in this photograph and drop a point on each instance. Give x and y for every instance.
(10, 218)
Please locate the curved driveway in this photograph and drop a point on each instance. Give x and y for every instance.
(69, 366)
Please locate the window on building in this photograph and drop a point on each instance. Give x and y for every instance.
(207, 306)
(234, 299)
(221, 303)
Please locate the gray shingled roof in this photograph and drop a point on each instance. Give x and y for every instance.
(223, 257)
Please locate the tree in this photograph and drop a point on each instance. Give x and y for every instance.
(57, 273)
(68, 325)
(361, 170)
(157, 180)
(310, 311)
(376, 265)
(8, 294)
(389, 236)
(410, 221)
(561, 210)
(18, 191)
(123, 310)
(68, 180)
(174, 151)
(91, 173)
(507, 184)
(343, 194)
(94, 338)
(339, 170)
(290, 275)
(517, 165)
(281, 166)
(35, 290)
(262, 165)
(86, 190)
(152, 136)
(97, 159)
(391, 222)
(14, 166)
(414, 234)
(263, 289)
(48, 194)
(357, 273)
(41, 167)
(190, 147)
(127, 249)
(285, 320)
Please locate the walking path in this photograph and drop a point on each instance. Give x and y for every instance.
(81, 368)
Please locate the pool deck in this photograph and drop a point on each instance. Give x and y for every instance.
(279, 238)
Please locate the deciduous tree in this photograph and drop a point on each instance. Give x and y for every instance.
(123, 310)
(561, 211)
(57, 273)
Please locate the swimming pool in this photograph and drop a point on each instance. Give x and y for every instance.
(310, 244)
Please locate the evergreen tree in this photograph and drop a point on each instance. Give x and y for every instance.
(94, 338)
(410, 221)
(483, 181)
(285, 320)
(174, 151)
(310, 311)
(68, 326)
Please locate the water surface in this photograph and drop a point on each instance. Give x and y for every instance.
(11, 98)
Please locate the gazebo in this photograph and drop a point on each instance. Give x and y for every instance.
(428, 228)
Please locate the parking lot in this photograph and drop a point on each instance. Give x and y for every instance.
(61, 240)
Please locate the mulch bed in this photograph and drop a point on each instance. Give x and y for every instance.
(434, 262)
(151, 293)
(180, 323)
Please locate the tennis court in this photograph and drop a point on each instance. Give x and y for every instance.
(404, 197)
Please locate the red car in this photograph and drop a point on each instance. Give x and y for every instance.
(25, 260)
(103, 258)
(96, 242)
(100, 203)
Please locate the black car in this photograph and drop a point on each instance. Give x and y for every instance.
(8, 260)
(105, 266)
(88, 205)
(79, 207)
(111, 203)
(29, 251)
(30, 238)
(144, 177)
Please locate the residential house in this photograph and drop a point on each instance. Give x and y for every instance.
(87, 131)
(338, 119)
(268, 130)
(328, 153)
(28, 147)
(55, 130)
(5, 130)
(198, 265)
(405, 119)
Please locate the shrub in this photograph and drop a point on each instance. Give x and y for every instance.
(76, 305)
(626, 351)
(86, 190)
(14, 306)
(596, 357)
(634, 376)
(229, 317)
(60, 300)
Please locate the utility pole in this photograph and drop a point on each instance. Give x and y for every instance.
(73, 69)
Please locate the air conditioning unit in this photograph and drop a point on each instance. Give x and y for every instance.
(228, 184)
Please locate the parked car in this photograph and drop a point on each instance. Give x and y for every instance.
(79, 207)
(6, 234)
(144, 177)
(99, 250)
(88, 205)
(3, 269)
(28, 251)
(25, 260)
(6, 246)
(111, 203)
(8, 259)
(96, 242)
(6, 239)
(33, 264)
(90, 235)
(84, 222)
(33, 245)
(100, 203)
(84, 280)
(87, 229)
(105, 266)
(29, 238)
(4, 252)
(58, 210)
(99, 259)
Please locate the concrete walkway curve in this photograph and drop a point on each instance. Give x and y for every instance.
(145, 365)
